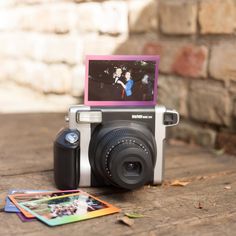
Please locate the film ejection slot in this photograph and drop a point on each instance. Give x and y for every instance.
(89, 117)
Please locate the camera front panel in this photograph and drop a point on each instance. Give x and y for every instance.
(122, 149)
(79, 169)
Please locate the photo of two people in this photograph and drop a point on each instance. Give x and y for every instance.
(121, 80)
(125, 90)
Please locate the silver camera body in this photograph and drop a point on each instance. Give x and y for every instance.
(119, 146)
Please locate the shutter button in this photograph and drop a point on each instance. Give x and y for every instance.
(72, 138)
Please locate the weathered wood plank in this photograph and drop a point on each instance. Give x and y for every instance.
(26, 142)
(217, 225)
(26, 162)
(164, 207)
(179, 166)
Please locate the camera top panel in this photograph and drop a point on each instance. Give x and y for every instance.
(121, 80)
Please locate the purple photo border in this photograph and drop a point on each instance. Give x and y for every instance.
(121, 58)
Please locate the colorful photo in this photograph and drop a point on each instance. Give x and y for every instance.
(68, 208)
(121, 80)
(18, 198)
(10, 206)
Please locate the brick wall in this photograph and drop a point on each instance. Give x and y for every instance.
(43, 44)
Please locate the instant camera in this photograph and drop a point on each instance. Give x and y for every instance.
(117, 137)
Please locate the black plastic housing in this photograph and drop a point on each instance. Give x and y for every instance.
(66, 161)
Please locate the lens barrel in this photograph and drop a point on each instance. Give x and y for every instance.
(123, 154)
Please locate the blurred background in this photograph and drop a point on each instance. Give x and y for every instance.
(43, 44)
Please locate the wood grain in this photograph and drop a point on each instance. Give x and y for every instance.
(26, 162)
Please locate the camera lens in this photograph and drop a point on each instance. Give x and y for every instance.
(129, 164)
(123, 156)
(132, 168)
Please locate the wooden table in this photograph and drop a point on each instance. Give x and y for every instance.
(203, 207)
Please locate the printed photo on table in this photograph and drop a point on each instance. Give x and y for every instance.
(68, 208)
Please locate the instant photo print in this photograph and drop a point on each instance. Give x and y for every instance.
(10, 206)
(121, 80)
(68, 208)
(18, 198)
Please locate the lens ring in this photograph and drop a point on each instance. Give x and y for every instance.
(130, 154)
(121, 142)
(112, 137)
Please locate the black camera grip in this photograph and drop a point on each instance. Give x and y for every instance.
(66, 161)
